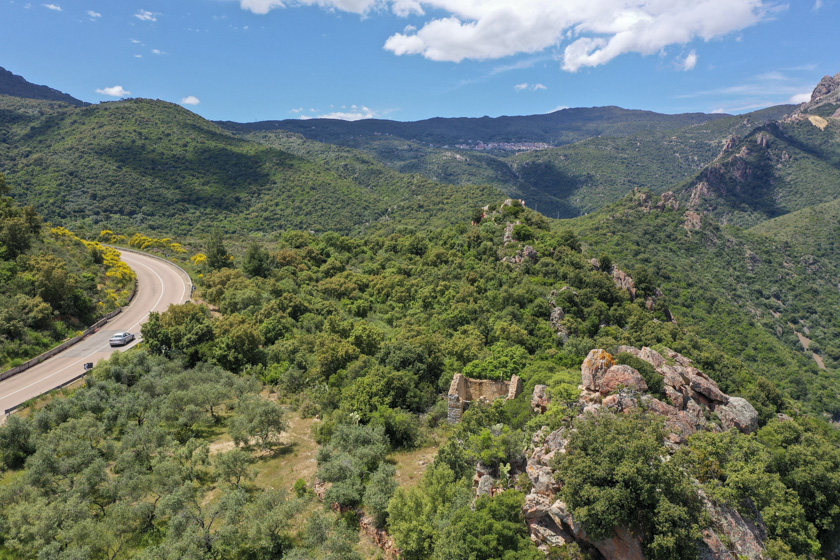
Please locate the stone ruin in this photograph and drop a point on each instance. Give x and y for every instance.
(463, 391)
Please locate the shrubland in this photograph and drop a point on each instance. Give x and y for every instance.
(366, 333)
(52, 283)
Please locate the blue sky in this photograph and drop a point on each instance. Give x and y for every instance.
(247, 60)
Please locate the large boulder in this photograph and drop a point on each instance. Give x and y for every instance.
(539, 399)
(594, 367)
(621, 376)
(738, 413)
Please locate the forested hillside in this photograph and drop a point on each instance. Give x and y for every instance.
(668, 380)
(52, 284)
(367, 332)
(603, 152)
(16, 86)
(761, 300)
(143, 164)
(557, 128)
(776, 169)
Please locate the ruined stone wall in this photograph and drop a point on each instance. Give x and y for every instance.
(463, 391)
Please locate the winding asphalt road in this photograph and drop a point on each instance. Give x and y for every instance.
(159, 284)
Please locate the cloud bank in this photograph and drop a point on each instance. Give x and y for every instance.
(590, 32)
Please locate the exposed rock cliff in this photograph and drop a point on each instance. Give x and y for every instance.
(695, 403)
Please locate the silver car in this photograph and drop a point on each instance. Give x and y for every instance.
(121, 339)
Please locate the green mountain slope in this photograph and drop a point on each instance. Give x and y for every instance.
(765, 302)
(154, 165)
(557, 128)
(778, 168)
(815, 229)
(603, 152)
(16, 86)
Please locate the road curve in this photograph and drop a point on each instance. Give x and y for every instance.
(159, 284)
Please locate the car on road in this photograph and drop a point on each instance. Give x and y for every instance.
(121, 339)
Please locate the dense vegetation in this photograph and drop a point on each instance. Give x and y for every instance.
(150, 165)
(164, 452)
(560, 127)
(367, 332)
(52, 284)
(748, 294)
(777, 168)
(602, 153)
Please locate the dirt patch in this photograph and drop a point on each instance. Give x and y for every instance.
(819, 360)
(803, 340)
(818, 121)
(294, 458)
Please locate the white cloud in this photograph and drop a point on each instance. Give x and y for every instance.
(261, 6)
(190, 100)
(354, 6)
(93, 15)
(595, 31)
(527, 86)
(156, 51)
(689, 62)
(54, 7)
(114, 91)
(146, 15)
(355, 114)
(800, 98)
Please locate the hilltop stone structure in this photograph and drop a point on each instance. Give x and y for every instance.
(463, 391)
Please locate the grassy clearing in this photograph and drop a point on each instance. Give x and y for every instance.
(293, 459)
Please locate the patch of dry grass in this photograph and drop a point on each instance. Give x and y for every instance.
(293, 459)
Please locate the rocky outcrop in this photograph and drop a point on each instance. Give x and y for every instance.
(621, 376)
(380, 538)
(667, 201)
(694, 400)
(624, 281)
(594, 367)
(508, 237)
(827, 86)
(738, 414)
(540, 399)
(700, 192)
(526, 253)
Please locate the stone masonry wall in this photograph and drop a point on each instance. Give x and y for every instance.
(463, 391)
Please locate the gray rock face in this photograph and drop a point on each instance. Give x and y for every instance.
(485, 485)
(608, 387)
(540, 400)
(827, 86)
(738, 413)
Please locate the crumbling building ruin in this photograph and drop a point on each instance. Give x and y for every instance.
(463, 391)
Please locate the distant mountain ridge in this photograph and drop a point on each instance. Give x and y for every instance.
(17, 86)
(558, 128)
